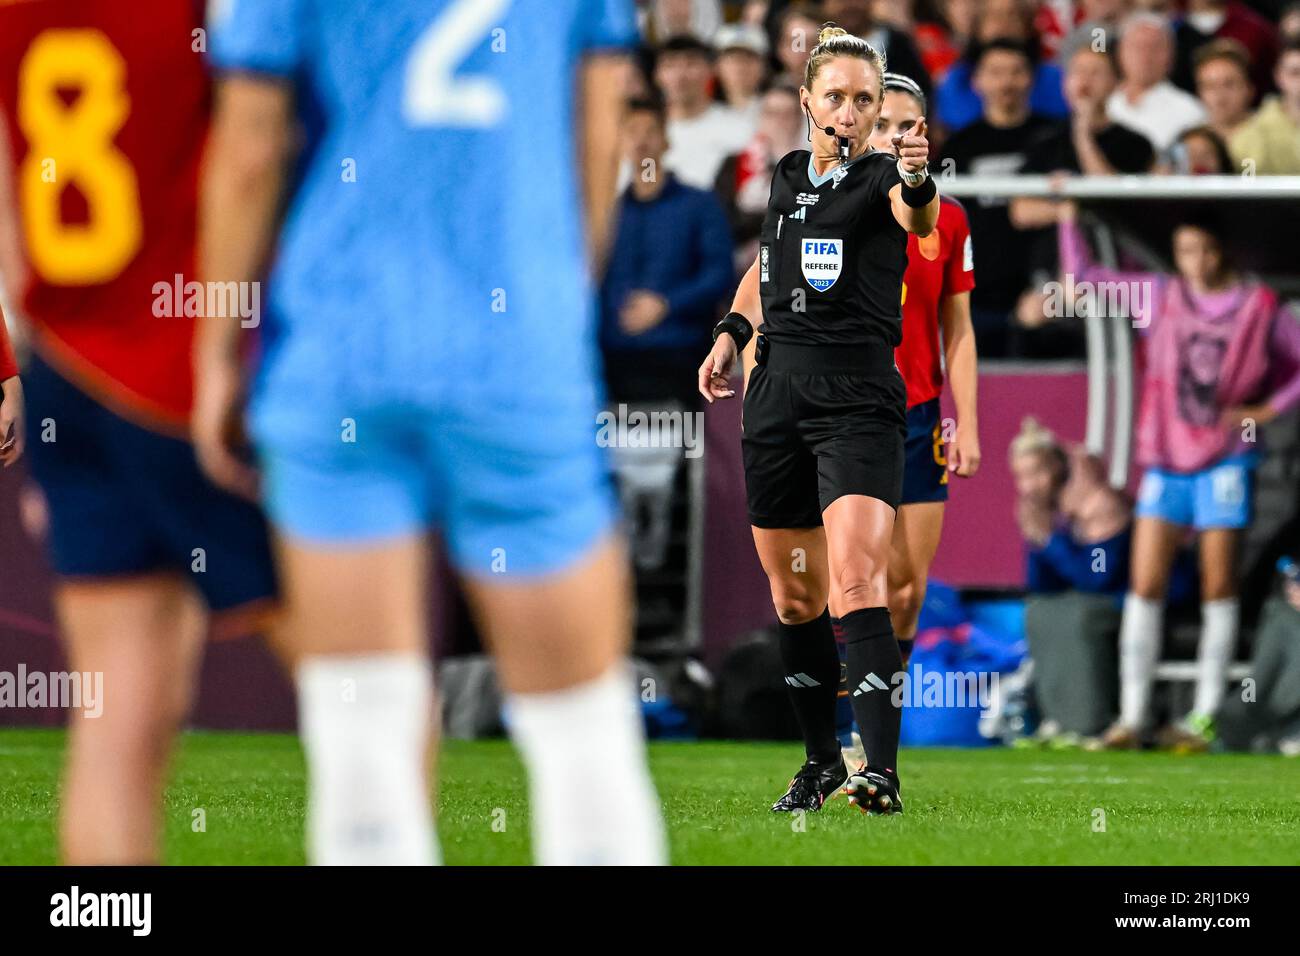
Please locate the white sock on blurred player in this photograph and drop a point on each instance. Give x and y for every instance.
(365, 722)
(591, 798)
(1139, 649)
(1218, 643)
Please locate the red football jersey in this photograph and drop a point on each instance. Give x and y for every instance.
(105, 105)
(940, 265)
(8, 364)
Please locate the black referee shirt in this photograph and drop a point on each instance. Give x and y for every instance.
(831, 255)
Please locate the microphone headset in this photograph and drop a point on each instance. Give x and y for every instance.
(893, 81)
(843, 141)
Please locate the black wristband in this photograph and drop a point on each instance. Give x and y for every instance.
(919, 196)
(738, 326)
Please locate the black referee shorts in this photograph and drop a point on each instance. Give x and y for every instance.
(821, 422)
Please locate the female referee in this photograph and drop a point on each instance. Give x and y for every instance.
(824, 415)
(936, 296)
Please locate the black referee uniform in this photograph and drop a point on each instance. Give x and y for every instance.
(825, 416)
(825, 409)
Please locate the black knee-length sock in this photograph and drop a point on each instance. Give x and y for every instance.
(873, 659)
(812, 675)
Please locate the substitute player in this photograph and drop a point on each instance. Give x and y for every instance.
(1222, 357)
(936, 298)
(824, 416)
(432, 363)
(103, 110)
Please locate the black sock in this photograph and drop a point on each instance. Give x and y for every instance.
(812, 674)
(873, 660)
(905, 650)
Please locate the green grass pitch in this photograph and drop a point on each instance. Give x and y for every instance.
(963, 806)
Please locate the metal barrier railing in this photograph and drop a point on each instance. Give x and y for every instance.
(1122, 187)
(1108, 338)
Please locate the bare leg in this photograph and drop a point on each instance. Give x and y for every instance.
(356, 625)
(916, 539)
(794, 560)
(561, 642)
(354, 600)
(1155, 542)
(859, 530)
(553, 632)
(145, 636)
(1218, 563)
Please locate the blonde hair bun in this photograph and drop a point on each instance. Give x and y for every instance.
(835, 41)
(830, 32)
(1034, 438)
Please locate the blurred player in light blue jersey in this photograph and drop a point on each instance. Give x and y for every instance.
(428, 361)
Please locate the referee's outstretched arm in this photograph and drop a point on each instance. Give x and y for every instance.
(916, 207)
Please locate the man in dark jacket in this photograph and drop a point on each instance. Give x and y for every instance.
(669, 270)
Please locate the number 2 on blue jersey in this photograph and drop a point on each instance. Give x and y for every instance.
(434, 95)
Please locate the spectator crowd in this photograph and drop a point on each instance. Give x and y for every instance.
(1050, 87)
(1095, 87)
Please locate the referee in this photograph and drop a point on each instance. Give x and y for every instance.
(824, 410)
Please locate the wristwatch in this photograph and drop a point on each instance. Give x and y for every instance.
(913, 179)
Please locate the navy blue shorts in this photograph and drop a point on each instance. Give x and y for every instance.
(925, 460)
(124, 500)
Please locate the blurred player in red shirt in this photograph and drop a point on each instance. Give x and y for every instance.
(936, 296)
(103, 117)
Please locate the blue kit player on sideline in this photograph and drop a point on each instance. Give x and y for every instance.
(429, 361)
